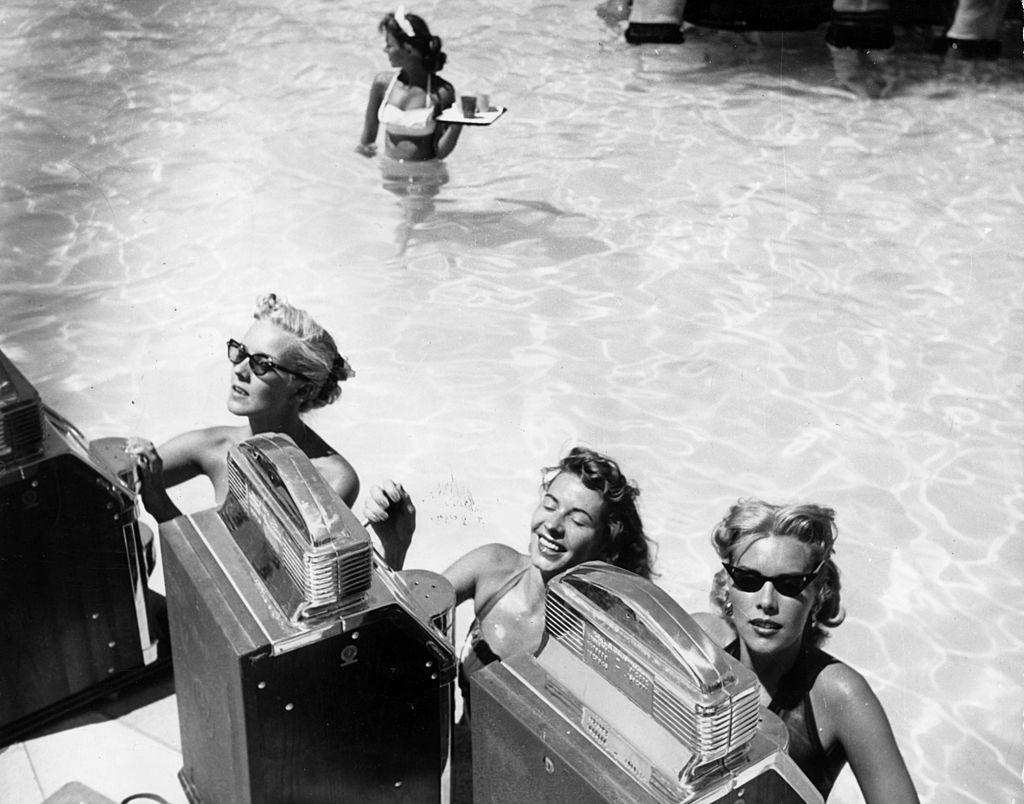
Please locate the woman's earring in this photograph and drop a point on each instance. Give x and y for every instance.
(727, 608)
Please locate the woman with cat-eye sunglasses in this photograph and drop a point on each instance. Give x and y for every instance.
(285, 365)
(777, 593)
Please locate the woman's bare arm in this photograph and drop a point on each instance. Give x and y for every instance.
(446, 136)
(340, 476)
(177, 460)
(390, 512)
(367, 141)
(481, 571)
(863, 728)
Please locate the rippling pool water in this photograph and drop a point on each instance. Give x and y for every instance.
(706, 260)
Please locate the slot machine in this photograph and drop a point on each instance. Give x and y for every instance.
(627, 700)
(305, 669)
(77, 619)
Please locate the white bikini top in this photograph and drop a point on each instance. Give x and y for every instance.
(406, 122)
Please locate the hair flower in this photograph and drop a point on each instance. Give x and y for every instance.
(403, 22)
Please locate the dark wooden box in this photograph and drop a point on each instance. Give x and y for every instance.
(75, 610)
(354, 708)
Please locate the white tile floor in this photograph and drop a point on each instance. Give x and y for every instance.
(123, 745)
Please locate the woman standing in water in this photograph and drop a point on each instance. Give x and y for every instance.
(286, 364)
(587, 511)
(777, 593)
(408, 100)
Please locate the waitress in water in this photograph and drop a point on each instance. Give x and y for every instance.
(407, 102)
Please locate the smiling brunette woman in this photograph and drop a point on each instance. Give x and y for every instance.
(285, 365)
(587, 511)
(777, 592)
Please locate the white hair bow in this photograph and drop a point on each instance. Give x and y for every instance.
(404, 23)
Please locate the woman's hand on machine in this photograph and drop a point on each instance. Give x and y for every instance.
(392, 515)
(146, 458)
(151, 474)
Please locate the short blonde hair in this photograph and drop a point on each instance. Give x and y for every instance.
(315, 354)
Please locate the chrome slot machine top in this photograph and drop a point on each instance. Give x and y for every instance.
(627, 699)
(310, 552)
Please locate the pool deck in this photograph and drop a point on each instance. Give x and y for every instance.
(122, 745)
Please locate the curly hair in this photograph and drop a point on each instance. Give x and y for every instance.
(314, 354)
(427, 45)
(628, 547)
(814, 525)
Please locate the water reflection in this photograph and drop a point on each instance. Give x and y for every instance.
(536, 228)
(416, 184)
(706, 257)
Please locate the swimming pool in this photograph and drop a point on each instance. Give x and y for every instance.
(706, 260)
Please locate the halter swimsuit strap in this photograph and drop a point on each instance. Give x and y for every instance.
(391, 86)
(394, 80)
(504, 589)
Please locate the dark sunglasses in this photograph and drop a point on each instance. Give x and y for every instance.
(259, 364)
(748, 580)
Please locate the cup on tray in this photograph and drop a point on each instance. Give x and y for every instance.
(469, 105)
(483, 102)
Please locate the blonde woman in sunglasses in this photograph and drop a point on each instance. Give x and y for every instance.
(776, 594)
(285, 365)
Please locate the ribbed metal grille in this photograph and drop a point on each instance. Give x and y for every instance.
(21, 430)
(354, 574)
(564, 624)
(323, 575)
(236, 485)
(709, 735)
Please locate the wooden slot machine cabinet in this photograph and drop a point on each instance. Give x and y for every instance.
(305, 669)
(77, 619)
(627, 700)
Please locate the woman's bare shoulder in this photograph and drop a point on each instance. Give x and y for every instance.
(496, 560)
(483, 569)
(840, 684)
(496, 566)
(196, 444)
(340, 476)
(488, 565)
(333, 462)
(445, 92)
